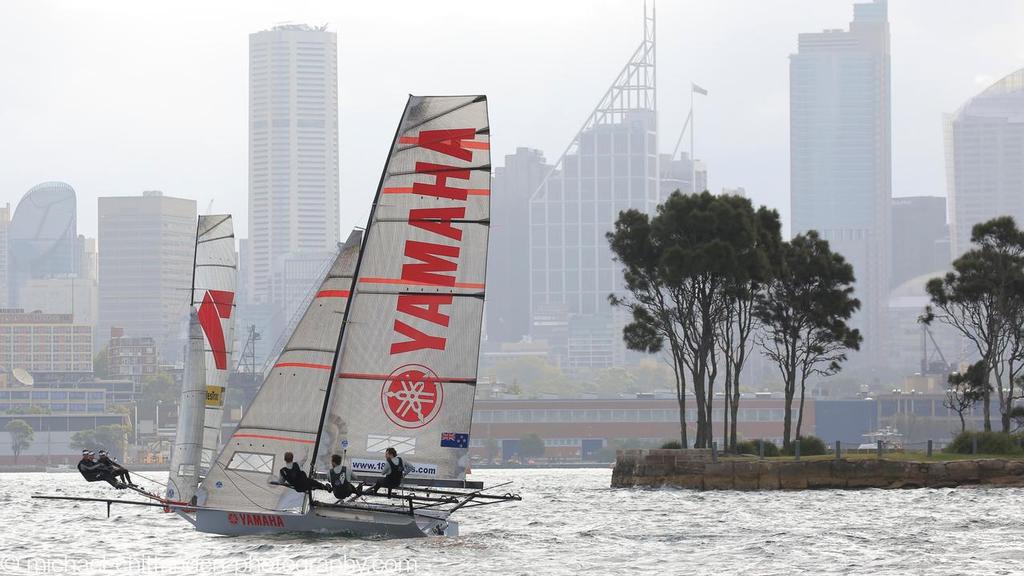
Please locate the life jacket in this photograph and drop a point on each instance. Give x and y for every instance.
(397, 470)
(92, 471)
(338, 478)
(295, 477)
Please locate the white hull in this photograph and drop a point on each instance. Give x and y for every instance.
(321, 520)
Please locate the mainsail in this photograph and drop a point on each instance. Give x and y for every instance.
(407, 367)
(284, 414)
(211, 332)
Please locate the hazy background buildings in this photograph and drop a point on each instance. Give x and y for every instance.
(841, 129)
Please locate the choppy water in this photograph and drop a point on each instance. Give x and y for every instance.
(569, 522)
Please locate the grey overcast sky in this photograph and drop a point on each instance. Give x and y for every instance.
(116, 97)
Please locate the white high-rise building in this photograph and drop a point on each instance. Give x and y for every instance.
(985, 159)
(841, 154)
(293, 153)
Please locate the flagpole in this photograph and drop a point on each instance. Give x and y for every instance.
(693, 158)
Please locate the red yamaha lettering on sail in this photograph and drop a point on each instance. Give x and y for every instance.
(433, 263)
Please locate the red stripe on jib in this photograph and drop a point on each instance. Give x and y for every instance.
(302, 365)
(332, 294)
(266, 437)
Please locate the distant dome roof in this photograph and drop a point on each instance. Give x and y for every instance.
(45, 215)
(911, 292)
(1003, 99)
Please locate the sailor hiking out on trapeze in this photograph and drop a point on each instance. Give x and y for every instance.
(104, 469)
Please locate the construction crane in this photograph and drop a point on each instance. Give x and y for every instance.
(927, 364)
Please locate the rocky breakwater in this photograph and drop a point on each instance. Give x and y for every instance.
(695, 469)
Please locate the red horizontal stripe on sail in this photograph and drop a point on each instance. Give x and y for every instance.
(265, 437)
(302, 365)
(470, 191)
(470, 144)
(360, 376)
(332, 294)
(471, 285)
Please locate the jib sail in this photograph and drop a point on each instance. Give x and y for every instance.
(283, 416)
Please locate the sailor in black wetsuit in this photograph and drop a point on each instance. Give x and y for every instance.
(94, 471)
(119, 472)
(341, 479)
(394, 471)
(293, 476)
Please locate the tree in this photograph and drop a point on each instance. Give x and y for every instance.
(966, 389)
(983, 299)
(1017, 416)
(159, 387)
(111, 437)
(532, 375)
(649, 303)
(804, 312)
(677, 267)
(100, 364)
(531, 446)
(21, 436)
(741, 293)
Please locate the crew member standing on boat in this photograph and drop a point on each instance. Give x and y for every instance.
(293, 476)
(394, 471)
(94, 471)
(119, 472)
(341, 479)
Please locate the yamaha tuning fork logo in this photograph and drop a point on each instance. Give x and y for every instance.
(412, 396)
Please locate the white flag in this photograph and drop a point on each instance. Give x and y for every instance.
(698, 89)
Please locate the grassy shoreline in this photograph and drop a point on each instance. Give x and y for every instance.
(895, 456)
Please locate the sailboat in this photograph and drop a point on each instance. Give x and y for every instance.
(207, 361)
(405, 303)
(384, 355)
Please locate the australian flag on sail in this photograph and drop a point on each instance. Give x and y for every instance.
(454, 440)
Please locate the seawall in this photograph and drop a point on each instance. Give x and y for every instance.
(694, 469)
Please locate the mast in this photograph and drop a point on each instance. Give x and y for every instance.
(186, 451)
(352, 294)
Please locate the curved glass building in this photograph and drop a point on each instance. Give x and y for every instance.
(985, 159)
(43, 236)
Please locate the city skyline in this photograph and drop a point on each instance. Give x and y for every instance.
(147, 136)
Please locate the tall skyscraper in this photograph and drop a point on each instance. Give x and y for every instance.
(42, 239)
(5, 223)
(146, 250)
(840, 153)
(293, 154)
(985, 159)
(611, 165)
(508, 303)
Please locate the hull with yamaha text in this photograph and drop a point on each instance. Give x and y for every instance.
(360, 523)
